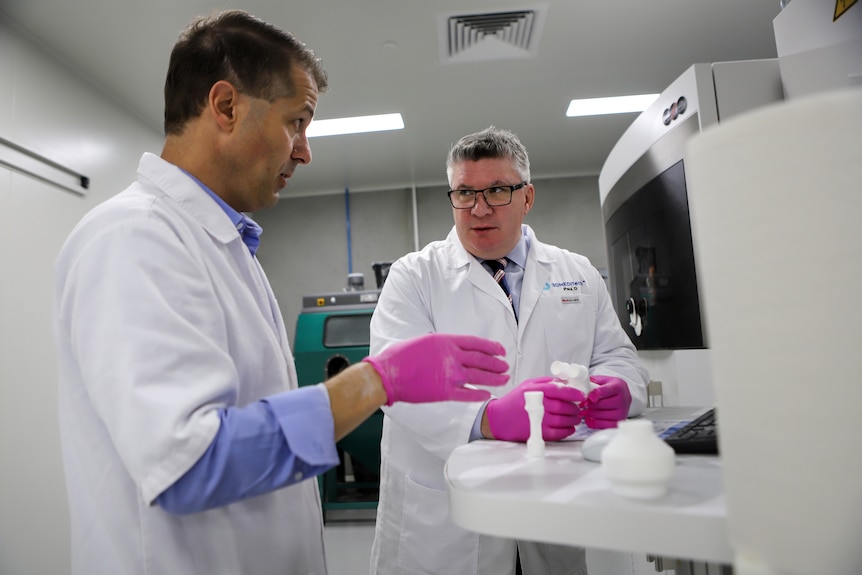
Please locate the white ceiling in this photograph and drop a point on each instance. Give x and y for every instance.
(384, 56)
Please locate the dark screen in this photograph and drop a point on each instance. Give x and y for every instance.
(347, 330)
(651, 265)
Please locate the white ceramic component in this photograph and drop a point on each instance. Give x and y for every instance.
(637, 462)
(574, 374)
(534, 404)
(559, 369)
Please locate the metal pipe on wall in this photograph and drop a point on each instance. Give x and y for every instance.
(347, 228)
(415, 219)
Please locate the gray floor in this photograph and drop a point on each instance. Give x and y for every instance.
(348, 536)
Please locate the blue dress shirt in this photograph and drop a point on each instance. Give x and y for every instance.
(250, 454)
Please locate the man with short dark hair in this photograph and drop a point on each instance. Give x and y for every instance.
(188, 447)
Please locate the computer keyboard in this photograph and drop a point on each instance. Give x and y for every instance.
(700, 435)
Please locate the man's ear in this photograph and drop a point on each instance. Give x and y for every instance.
(529, 196)
(222, 103)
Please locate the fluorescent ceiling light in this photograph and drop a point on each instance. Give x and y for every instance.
(614, 105)
(355, 125)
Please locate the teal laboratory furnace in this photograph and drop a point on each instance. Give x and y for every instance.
(332, 333)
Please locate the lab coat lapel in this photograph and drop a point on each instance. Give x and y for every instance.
(275, 312)
(189, 196)
(537, 273)
(484, 281)
(479, 277)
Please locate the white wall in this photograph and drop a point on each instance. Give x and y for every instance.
(685, 374)
(48, 109)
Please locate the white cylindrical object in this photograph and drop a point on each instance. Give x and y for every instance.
(534, 404)
(637, 462)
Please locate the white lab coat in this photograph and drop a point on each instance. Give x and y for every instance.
(565, 314)
(162, 317)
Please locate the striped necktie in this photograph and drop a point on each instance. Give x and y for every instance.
(498, 270)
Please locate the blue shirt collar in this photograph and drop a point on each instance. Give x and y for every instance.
(248, 229)
(518, 255)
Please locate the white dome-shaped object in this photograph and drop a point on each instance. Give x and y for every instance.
(637, 462)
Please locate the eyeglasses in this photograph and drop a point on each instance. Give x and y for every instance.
(494, 197)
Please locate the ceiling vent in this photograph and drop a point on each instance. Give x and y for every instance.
(490, 35)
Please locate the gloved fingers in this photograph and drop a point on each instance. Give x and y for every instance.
(561, 421)
(561, 408)
(604, 392)
(484, 377)
(463, 393)
(613, 403)
(605, 379)
(551, 387)
(536, 383)
(480, 360)
(562, 392)
(597, 423)
(517, 394)
(556, 433)
(478, 344)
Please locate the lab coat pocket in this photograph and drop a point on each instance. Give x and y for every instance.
(429, 541)
(569, 321)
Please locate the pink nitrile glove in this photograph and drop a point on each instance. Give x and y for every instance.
(608, 403)
(436, 366)
(509, 421)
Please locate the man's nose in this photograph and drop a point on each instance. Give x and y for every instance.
(481, 206)
(302, 149)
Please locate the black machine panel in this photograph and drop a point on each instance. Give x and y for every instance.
(652, 266)
(347, 330)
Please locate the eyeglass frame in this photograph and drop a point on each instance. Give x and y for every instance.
(476, 193)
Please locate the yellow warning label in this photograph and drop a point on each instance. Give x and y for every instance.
(841, 6)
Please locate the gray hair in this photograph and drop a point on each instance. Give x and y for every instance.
(490, 143)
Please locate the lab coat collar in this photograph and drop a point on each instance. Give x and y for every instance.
(185, 191)
(460, 257)
(536, 272)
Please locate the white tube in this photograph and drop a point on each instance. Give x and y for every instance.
(534, 404)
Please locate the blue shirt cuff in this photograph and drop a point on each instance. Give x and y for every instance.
(306, 421)
(476, 432)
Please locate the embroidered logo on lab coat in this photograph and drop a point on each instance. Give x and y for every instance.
(569, 290)
(569, 286)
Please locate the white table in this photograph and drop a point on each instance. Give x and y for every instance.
(495, 489)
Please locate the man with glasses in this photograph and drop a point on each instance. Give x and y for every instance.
(492, 277)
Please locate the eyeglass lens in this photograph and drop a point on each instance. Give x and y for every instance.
(496, 196)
